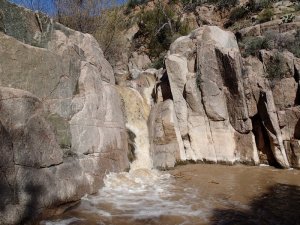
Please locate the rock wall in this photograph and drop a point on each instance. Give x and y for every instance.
(217, 107)
(61, 121)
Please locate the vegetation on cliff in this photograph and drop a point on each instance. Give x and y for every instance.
(157, 23)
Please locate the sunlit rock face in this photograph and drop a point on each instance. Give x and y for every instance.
(62, 127)
(204, 73)
(226, 108)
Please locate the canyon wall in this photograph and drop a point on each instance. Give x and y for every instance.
(61, 122)
(212, 105)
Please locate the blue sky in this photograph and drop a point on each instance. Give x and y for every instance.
(49, 4)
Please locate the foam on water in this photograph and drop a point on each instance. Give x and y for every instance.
(61, 222)
(141, 194)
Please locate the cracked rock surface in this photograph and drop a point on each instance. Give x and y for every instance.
(226, 108)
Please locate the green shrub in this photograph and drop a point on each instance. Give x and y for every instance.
(159, 62)
(258, 5)
(190, 5)
(274, 67)
(226, 3)
(238, 13)
(278, 41)
(158, 29)
(294, 47)
(284, 41)
(154, 27)
(132, 3)
(297, 6)
(263, 4)
(252, 45)
(288, 18)
(266, 15)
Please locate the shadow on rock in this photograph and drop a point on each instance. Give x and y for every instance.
(6, 195)
(280, 205)
(32, 210)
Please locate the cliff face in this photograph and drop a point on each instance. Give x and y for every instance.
(61, 123)
(222, 108)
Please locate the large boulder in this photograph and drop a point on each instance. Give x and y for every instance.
(34, 174)
(228, 109)
(34, 143)
(61, 119)
(204, 72)
(166, 144)
(177, 74)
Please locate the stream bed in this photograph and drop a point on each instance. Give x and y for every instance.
(191, 194)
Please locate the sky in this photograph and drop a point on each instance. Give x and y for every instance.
(49, 5)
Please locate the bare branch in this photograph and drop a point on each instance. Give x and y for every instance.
(162, 27)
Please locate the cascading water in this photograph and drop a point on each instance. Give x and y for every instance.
(136, 113)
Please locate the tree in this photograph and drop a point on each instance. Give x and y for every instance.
(110, 33)
(80, 14)
(104, 19)
(159, 28)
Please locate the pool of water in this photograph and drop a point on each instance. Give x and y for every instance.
(191, 194)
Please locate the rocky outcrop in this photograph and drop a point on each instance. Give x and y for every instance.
(165, 139)
(227, 109)
(204, 73)
(276, 26)
(61, 122)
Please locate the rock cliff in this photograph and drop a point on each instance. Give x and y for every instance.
(222, 108)
(61, 122)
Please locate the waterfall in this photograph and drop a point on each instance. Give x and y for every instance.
(143, 193)
(137, 112)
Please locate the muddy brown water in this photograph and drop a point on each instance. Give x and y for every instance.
(192, 194)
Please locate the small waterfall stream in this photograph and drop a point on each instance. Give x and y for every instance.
(137, 113)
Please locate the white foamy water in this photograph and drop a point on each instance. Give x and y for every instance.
(141, 194)
(142, 145)
(137, 113)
